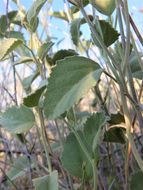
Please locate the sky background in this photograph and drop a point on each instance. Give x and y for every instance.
(59, 29)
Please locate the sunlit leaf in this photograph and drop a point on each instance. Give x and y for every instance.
(43, 49)
(7, 46)
(28, 80)
(34, 11)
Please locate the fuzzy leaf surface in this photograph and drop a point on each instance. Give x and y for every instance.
(109, 34)
(70, 80)
(17, 119)
(34, 10)
(47, 182)
(8, 45)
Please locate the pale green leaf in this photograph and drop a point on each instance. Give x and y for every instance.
(70, 80)
(34, 10)
(75, 30)
(43, 49)
(61, 15)
(73, 158)
(17, 119)
(8, 45)
(28, 80)
(20, 167)
(48, 182)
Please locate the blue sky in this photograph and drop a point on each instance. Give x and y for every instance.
(58, 28)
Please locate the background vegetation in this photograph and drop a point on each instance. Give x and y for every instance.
(71, 99)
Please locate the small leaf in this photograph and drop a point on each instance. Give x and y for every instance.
(20, 167)
(17, 119)
(115, 134)
(135, 66)
(34, 11)
(63, 53)
(28, 80)
(32, 100)
(48, 182)
(137, 181)
(109, 34)
(16, 35)
(70, 80)
(3, 24)
(116, 119)
(61, 15)
(7, 46)
(92, 129)
(43, 50)
(75, 30)
(3, 21)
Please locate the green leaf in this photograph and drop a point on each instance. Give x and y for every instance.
(135, 66)
(43, 50)
(15, 34)
(3, 24)
(115, 134)
(32, 100)
(109, 34)
(92, 129)
(20, 167)
(3, 21)
(7, 46)
(17, 119)
(48, 182)
(63, 53)
(75, 30)
(137, 181)
(73, 158)
(61, 15)
(34, 11)
(28, 80)
(70, 80)
(116, 119)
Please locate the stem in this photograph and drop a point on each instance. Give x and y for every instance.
(40, 121)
